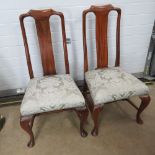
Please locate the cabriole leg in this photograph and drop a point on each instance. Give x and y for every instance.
(145, 100)
(83, 115)
(26, 123)
(95, 116)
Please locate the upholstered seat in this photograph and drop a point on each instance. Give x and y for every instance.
(111, 84)
(51, 93)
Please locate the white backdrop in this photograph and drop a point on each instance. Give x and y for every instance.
(136, 27)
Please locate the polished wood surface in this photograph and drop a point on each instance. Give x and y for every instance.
(101, 14)
(145, 101)
(41, 18)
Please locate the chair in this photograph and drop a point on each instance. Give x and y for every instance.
(52, 92)
(108, 84)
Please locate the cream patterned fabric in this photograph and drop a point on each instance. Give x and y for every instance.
(51, 93)
(111, 84)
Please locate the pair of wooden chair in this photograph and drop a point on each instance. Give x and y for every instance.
(55, 93)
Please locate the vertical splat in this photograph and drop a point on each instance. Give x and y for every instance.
(101, 39)
(45, 43)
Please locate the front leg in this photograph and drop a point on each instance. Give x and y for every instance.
(95, 116)
(145, 100)
(83, 115)
(26, 123)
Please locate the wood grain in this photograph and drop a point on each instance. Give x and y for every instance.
(42, 23)
(101, 14)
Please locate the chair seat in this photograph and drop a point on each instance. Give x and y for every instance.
(111, 84)
(51, 93)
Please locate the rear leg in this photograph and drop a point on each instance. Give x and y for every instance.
(83, 115)
(145, 100)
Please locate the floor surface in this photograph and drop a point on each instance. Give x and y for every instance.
(58, 133)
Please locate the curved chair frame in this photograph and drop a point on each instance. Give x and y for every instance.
(41, 18)
(101, 14)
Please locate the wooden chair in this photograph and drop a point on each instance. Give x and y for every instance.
(108, 84)
(51, 92)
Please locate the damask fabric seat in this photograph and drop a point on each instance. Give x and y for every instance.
(111, 84)
(51, 93)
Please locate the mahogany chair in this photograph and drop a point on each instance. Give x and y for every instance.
(52, 92)
(108, 84)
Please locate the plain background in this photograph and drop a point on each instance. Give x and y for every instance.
(136, 27)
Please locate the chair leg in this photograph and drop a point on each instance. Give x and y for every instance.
(83, 115)
(145, 100)
(95, 116)
(26, 123)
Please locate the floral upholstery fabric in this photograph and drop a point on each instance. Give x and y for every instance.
(51, 93)
(111, 84)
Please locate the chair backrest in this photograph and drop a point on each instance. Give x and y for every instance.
(42, 23)
(101, 14)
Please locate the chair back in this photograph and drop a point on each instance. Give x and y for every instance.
(101, 14)
(42, 23)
